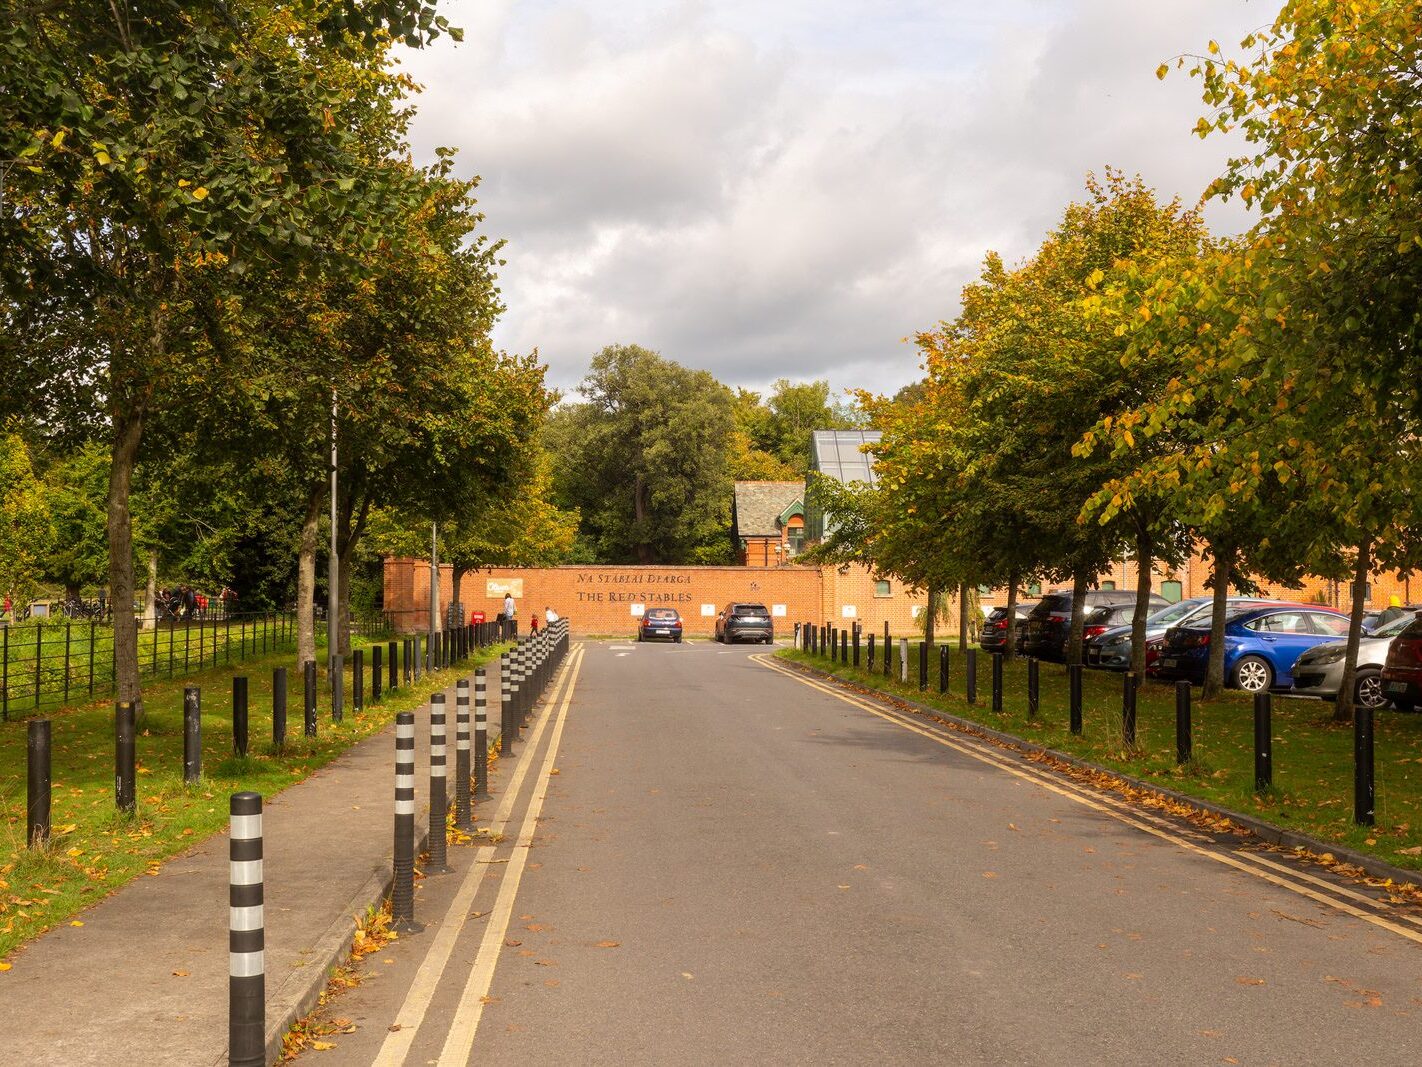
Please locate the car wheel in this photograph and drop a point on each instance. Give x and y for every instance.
(1253, 674)
(1368, 689)
(676, 640)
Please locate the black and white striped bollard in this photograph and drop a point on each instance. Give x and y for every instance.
(481, 735)
(246, 937)
(506, 710)
(439, 788)
(402, 892)
(463, 810)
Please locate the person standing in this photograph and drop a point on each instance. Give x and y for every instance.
(550, 616)
(510, 623)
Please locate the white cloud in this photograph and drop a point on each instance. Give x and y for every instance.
(789, 189)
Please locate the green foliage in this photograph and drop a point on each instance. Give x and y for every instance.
(26, 533)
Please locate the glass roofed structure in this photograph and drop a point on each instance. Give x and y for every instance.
(838, 454)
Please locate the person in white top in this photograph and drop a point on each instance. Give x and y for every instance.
(550, 616)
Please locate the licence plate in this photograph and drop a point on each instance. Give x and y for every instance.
(1170, 663)
(1397, 687)
(662, 633)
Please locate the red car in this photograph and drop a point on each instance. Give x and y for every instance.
(1402, 673)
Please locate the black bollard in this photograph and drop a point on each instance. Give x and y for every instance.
(1263, 742)
(1128, 709)
(358, 680)
(481, 734)
(888, 652)
(1074, 684)
(857, 631)
(279, 708)
(1364, 796)
(997, 681)
(922, 666)
(338, 688)
(405, 667)
(844, 646)
(393, 665)
(870, 663)
(417, 657)
(37, 782)
(375, 674)
(439, 789)
(972, 681)
(463, 810)
(239, 716)
(1034, 690)
(192, 734)
(309, 677)
(125, 756)
(246, 936)
(943, 668)
(508, 728)
(1184, 743)
(402, 891)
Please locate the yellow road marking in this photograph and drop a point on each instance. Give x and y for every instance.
(460, 1041)
(1039, 778)
(411, 1015)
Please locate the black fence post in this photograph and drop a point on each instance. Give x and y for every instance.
(279, 708)
(1074, 685)
(192, 734)
(246, 936)
(1263, 742)
(239, 716)
(1364, 797)
(943, 668)
(972, 680)
(402, 890)
(37, 782)
(997, 681)
(358, 680)
(309, 672)
(481, 734)
(463, 810)
(1184, 741)
(1128, 709)
(439, 789)
(125, 756)
(1034, 690)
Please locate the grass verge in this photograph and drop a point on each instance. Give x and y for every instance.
(1313, 758)
(94, 849)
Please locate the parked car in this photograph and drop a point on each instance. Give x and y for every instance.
(1111, 649)
(994, 634)
(660, 623)
(1402, 672)
(1049, 624)
(1261, 644)
(744, 622)
(1372, 620)
(1319, 671)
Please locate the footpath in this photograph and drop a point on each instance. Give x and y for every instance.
(144, 979)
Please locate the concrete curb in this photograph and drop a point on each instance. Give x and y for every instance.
(1260, 828)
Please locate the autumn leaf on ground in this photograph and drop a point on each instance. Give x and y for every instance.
(322, 1046)
(1242, 980)
(180, 974)
(989, 874)
(608, 944)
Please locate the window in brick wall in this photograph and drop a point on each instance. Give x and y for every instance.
(1035, 589)
(881, 588)
(1108, 585)
(1172, 591)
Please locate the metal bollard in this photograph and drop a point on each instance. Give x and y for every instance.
(481, 735)
(1263, 742)
(309, 678)
(338, 687)
(1128, 709)
(1074, 685)
(463, 810)
(239, 716)
(375, 674)
(903, 660)
(523, 692)
(997, 681)
(507, 718)
(1364, 795)
(279, 708)
(888, 652)
(37, 782)
(125, 756)
(192, 734)
(943, 668)
(922, 666)
(971, 684)
(402, 891)
(844, 646)
(358, 680)
(870, 657)
(393, 665)
(1184, 743)
(246, 936)
(1034, 687)
(439, 789)
(857, 631)
(405, 667)
(418, 656)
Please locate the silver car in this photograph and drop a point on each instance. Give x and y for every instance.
(1319, 671)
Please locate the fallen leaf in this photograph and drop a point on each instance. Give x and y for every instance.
(1249, 981)
(180, 974)
(76, 922)
(511, 943)
(552, 983)
(322, 1046)
(554, 771)
(1013, 826)
(393, 1028)
(4, 966)
(989, 874)
(608, 944)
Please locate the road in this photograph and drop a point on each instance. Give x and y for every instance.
(707, 859)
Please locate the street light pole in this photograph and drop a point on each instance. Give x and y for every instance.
(333, 599)
(434, 577)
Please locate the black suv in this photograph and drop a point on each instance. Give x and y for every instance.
(744, 622)
(994, 634)
(1050, 621)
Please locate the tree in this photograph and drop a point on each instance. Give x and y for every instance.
(25, 530)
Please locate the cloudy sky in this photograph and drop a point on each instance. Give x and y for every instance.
(788, 188)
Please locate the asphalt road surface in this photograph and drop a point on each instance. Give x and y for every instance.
(709, 859)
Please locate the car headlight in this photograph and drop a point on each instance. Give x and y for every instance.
(1331, 654)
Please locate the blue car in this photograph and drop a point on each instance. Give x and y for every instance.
(1261, 644)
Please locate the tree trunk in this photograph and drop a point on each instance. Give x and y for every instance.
(150, 596)
(1145, 559)
(1343, 709)
(1009, 650)
(1078, 614)
(456, 572)
(963, 617)
(1219, 607)
(128, 431)
(932, 609)
(306, 581)
(641, 504)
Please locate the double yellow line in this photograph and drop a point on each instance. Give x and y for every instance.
(1328, 893)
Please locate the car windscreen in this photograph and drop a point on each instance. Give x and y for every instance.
(749, 609)
(1392, 629)
(663, 614)
(1174, 613)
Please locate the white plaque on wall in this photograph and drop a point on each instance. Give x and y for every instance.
(917, 610)
(638, 610)
(708, 609)
(849, 611)
(778, 610)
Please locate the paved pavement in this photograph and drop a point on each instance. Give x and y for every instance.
(710, 859)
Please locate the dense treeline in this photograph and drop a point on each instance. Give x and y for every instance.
(1137, 387)
(219, 255)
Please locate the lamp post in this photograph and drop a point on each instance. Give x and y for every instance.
(333, 600)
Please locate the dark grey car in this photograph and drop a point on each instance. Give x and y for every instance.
(744, 622)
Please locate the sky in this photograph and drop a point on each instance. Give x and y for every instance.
(793, 189)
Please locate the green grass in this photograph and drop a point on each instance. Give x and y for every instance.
(1313, 758)
(94, 849)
